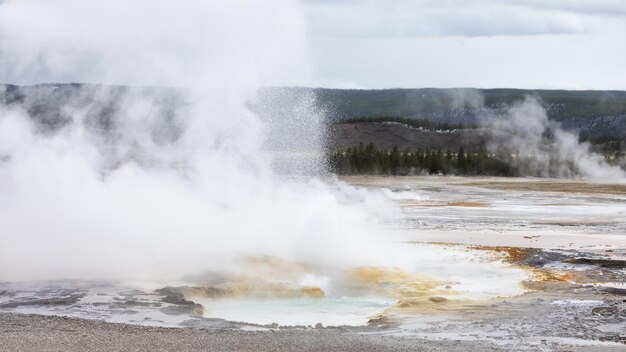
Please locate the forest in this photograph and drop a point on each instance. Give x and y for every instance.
(368, 160)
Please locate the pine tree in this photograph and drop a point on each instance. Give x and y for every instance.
(461, 163)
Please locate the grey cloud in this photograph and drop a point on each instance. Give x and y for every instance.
(380, 19)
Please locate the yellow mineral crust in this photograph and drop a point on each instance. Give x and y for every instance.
(396, 283)
(254, 289)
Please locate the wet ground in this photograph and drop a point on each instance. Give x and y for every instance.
(520, 264)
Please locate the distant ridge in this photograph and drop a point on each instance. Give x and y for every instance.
(594, 114)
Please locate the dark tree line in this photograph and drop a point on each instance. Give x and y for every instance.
(605, 144)
(367, 160)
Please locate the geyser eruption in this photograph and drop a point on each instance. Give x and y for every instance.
(164, 169)
(541, 147)
(162, 182)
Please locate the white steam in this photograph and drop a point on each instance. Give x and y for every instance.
(154, 197)
(541, 147)
(222, 44)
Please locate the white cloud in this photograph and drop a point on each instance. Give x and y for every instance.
(479, 43)
(355, 43)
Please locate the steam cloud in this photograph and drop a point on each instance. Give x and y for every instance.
(541, 147)
(135, 190)
(140, 190)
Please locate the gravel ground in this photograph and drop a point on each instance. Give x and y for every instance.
(51, 333)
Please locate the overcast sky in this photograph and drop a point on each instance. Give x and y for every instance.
(572, 44)
(569, 44)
